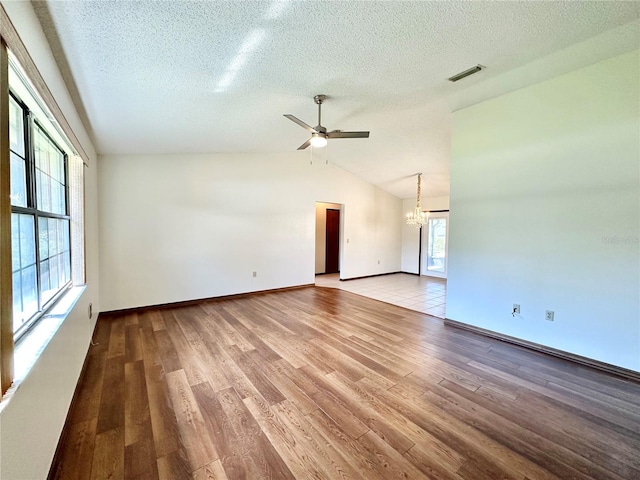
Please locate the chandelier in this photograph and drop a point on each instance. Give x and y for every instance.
(417, 218)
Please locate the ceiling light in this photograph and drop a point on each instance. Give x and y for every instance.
(466, 73)
(417, 218)
(318, 140)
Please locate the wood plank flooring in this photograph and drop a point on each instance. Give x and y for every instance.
(318, 383)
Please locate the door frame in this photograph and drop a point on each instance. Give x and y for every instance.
(326, 243)
(332, 206)
(424, 245)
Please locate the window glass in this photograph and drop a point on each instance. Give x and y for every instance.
(43, 238)
(53, 279)
(15, 242)
(41, 257)
(23, 249)
(44, 276)
(27, 243)
(55, 258)
(54, 248)
(29, 292)
(18, 314)
(436, 250)
(50, 178)
(16, 128)
(18, 181)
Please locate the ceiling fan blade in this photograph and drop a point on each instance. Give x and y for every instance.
(300, 122)
(339, 134)
(305, 145)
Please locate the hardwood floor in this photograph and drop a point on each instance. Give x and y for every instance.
(319, 383)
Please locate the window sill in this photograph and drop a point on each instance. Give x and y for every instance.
(29, 348)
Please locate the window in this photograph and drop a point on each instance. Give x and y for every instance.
(40, 221)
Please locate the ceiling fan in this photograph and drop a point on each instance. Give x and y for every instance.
(319, 134)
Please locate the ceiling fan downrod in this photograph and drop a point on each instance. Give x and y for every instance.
(319, 99)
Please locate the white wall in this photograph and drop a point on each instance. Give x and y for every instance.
(435, 203)
(32, 419)
(411, 235)
(410, 239)
(545, 212)
(321, 233)
(181, 227)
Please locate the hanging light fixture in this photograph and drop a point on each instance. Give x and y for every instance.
(417, 218)
(318, 140)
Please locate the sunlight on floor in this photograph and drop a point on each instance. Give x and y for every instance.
(423, 294)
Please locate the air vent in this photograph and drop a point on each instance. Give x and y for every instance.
(466, 73)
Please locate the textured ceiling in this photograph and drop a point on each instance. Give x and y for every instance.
(172, 77)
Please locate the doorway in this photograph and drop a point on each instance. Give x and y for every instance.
(328, 227)
(332, 237)
(435, 246)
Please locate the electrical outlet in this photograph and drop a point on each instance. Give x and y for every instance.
(378, 262)
(548, 315)
(255, 274)
(516, 309)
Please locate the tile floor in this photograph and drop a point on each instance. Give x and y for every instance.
(424, 294)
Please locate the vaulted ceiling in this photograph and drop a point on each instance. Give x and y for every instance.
(217, 76)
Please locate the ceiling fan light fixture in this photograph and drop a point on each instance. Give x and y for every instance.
(318, 140)
(319, 134)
